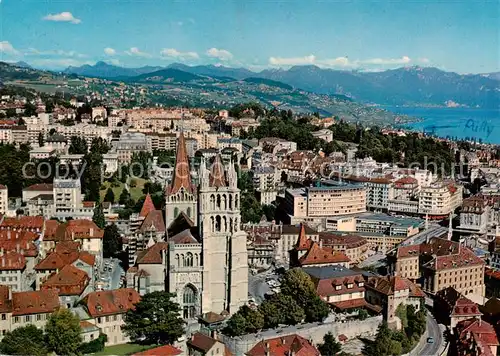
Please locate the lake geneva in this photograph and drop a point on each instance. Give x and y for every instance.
(481, 124)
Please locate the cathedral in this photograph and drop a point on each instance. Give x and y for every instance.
(203, 256)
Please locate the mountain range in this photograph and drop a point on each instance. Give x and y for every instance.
(410, 86)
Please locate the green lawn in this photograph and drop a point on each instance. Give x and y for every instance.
(135, 193)
(125, 349)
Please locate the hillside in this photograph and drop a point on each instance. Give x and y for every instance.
(105, 70)
(268, 82)
(168, 75)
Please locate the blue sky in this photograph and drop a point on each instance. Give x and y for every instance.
(461, 36)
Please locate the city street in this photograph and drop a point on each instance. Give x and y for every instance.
(257, 285)
(110, 278)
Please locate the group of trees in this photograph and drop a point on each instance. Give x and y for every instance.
(389, 342)
(62, 336)
(297, 302)
(155, 320)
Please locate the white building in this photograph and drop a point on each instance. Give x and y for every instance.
(4, 199)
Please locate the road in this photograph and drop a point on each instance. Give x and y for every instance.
(434, 331)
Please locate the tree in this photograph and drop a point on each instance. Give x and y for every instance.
(236, 325)
(112, 242)
(78, 145)
(110, 196)
(289, 311)
(254, 319)
(41, 139)
(29, 109)
(296, 282)
(63, 332)
(124, 196)
(155, 320)
(383, 345)
(152, 188)
(92, 176)
(99, 145)
(98, 216)
(27, 340)
(330, 346)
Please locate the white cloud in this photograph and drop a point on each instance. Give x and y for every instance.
(173, 53)
(293, 61)
(59, 52)
(337, 62)
(387, 61)
(6, 47)
(424, 60)
(113, 61)
(134, 51)
(62, 17)
(109, 51)
(220, 54)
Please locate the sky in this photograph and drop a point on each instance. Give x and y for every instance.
(455, 35)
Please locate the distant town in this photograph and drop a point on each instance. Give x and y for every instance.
(248, 230)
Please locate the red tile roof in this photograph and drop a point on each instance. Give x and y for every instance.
(350, 304)
(24, 303)
(165, 350)
(50, 230)
(78, 229)
(5, 299)
(475, 333)
(457, 304)
(20, 235)
(348, 241)
(465, 257)
(12, 261)
(58, 259)
(152, 255)
(147, 207)
(322, 255)
(284, 346)
(204, 343)
(390, 284)
(404, 181)
(111, 302)
(153, 222)
(329, 286)
(23, 223)
(69, 281)
(43, 187)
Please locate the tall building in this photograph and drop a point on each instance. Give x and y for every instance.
(206, 266)
(181, 195)
(225, 268)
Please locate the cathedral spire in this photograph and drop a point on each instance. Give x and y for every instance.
(217, 176)
(182, 173)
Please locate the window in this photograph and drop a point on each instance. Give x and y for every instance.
(189, 299)
(4, 317)
(38, 317)
(16, 319)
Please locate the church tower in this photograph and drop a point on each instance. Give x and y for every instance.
(180, 195)
(225, 259)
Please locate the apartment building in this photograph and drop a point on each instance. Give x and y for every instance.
(309, 253)
(128, 144)
(325, 201)
(19, 309)
(266, 181)
(107, 310)
(161, 141)
(67, 194)
(35, 190)
(232, 142)
(439, 199)
(441, 263)
(325, 135)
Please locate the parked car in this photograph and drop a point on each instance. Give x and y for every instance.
(430, 340)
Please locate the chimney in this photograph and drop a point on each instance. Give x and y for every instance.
(283, 340)
(8, 234)
(18, 247)
(3, 261)
(192, 337)
(320, 243)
